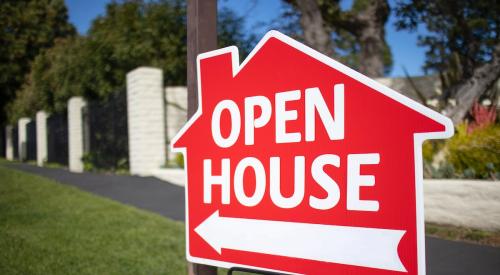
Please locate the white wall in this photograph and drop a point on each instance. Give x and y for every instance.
(9, 146)
(75, 133)
(466, 203)
(176, 109)
(146, 120)
(41, 138)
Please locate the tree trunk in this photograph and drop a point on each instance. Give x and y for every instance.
(468, 91)
(316, 32)
(367, 25)
(371, 37)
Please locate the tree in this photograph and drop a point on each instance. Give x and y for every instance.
(230, 31)
(26, 28)
(152, 33)
(130, 34)
(58, 73)
(359, 32)
(463, 46)
(138, 33)
(366, 23)
(317, 32)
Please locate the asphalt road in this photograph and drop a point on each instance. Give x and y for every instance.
(443, 257)
(143, 192)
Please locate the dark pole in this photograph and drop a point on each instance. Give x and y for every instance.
(201, 37)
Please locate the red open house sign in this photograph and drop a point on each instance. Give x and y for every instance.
(297, 163)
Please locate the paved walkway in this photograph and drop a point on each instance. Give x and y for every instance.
(443, 257)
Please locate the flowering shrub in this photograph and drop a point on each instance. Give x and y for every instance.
(476, 153)
(483, 116)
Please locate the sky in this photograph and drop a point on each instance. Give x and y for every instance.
(258, 15)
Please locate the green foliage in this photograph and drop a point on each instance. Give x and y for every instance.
(430, 148)
(56, 75)
(229, 32)
(445, 170)
(470, 155)
(148, 33)
(138, 33)
(348, 45)
(53, 165)
(428, 151)
(100, 161)
(179, 160)
(27, 27)
(51, 228)
(88, 162)
(475, 154)
(461, 34)
(25, 103)
(130, 34)
(345, 26)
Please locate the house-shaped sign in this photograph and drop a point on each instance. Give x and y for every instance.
(298, 164)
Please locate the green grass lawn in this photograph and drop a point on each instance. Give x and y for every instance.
(50, 228)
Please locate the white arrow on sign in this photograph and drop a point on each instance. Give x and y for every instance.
(359, 246)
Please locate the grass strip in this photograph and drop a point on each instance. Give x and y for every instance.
(470, 235)
(50, 228)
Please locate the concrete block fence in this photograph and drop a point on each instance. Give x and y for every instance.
(23, 138)
(41, 138)
(154, 113)
(176, 108)
(75, 133)
(146, 120)
(9, 142)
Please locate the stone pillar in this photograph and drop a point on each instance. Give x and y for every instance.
(23, 138)
(75, 133)
(176, 109)
(41, 138)
(146, 120)
(9, 146)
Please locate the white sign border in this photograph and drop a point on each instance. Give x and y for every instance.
(418, 138)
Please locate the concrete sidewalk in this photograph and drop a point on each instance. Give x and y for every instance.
(443, 257)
